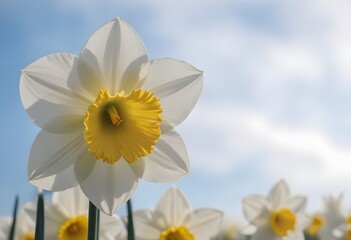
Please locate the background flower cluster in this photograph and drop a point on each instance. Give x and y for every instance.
(173, 211)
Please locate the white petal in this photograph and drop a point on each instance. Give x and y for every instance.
(112, 226)
(109, 186)
(88, 72)
(57, 182)
(31, 210)
(279, 194)
(205, 223)
(297, 204)
(252, 206)
(73, 201)
(24, 223)
(177, 84)
(70, 176)
(53, 223)
(295, 236)
(108, 236)
(5, 225)
(54, 217)
(174, 206)
(333, 209)
(248, 230)
(47, 96)
(264, 233)
(84, 165)
(262, 218)
(168, 161)
(148, 224)
(53, 153)
(303, 220)
(119, 53)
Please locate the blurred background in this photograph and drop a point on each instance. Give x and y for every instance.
(275, 103)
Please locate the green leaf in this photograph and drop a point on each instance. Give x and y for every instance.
(14, 217)
(40, 221)
(94, 222)
(309, 237)
(130, 225)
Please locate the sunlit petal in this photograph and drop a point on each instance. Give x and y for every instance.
(167, 162)
(279, 194)
(264, 233)
(46, 96)
(118, 52)
(61, 152)
(297, 203)
(177, 84)
(73, 201)
(174, 206)
(253, 206)
(109, 186)
(113, 226)
(205, 223)
(148, 224)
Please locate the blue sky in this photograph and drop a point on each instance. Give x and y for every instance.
(275, 103)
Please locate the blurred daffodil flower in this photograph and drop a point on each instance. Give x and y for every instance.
(66, 218)
(337, 221)
(277, 216)
(107, 116)
(324, 222)
(173, 218)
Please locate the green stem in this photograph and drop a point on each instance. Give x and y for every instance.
(130, 221)
(40, 223)
(14, 217)
(94, 222)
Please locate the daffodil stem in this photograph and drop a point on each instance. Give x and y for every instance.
(94, 222)
(40, 223)
(308, 237)
(130, 225)
(14, 217)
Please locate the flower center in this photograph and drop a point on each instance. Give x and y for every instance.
(177, 233)
(28, 236)
(316, 224)
(123, 125)
(74, 229)
(114, 117)
(282, 221)
(230, 234)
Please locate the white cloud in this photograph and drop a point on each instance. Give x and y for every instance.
(228, 136)
(283, 61)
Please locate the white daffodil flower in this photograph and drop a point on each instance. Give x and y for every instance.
(278, 216)
(174, 219)
(66, 218)
(108, 116)
(337, 222)
(324, 223)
